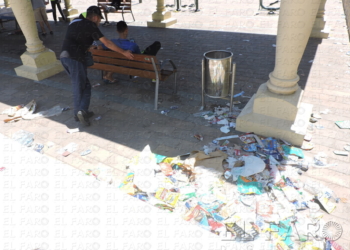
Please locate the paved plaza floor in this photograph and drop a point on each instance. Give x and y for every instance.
(128, 123)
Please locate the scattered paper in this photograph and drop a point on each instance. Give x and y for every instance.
(225, 129)
(72, 130)
(227, 137)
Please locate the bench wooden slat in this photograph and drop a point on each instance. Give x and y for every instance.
(125, 71)
(123, 63)
(130, 71)
(137, 57)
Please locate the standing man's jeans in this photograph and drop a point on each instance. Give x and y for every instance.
(77, 72)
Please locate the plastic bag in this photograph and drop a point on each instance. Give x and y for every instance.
(57, 110)
(252, 165)
(143, 167)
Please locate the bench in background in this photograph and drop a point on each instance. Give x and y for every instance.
(125, 7)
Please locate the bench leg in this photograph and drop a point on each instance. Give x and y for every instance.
(132, 16)
(175, 84)
(156, 95)
(203, 80)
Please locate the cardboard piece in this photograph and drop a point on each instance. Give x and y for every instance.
(212, 160)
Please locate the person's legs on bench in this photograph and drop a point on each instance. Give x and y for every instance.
(108, 77)
(107, 9)
(153, 49)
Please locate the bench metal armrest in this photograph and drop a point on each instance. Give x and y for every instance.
(172, 64)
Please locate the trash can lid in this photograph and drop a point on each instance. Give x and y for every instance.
(218, 54)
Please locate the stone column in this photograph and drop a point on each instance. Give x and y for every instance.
(7, 3)
(161, 18)
(276, 109)
(38, 61)
(319, 30)
(69, 12)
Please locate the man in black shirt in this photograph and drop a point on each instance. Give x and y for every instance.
(80, 35)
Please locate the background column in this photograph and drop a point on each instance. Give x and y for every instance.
(276, 109)
(161, 18)
(38, 61)
(319, 30)
(69, 12)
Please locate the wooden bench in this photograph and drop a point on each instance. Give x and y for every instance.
(142, 66)
(125, 7)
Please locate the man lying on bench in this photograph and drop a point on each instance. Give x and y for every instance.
(126, 44)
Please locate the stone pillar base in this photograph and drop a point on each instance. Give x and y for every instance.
(38, 66)
(280, 116)
(163, 24)
(69, 18)
(319, 30)
(70, 14)
(324, 34)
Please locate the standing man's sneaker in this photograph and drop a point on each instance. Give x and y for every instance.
(106, 23)
(89, 115)
(83, 118)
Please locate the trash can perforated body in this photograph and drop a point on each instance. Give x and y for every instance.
(217, 66)
(217, 74)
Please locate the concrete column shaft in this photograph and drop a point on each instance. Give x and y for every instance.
(68, 11)
(295, 22)
(67, 4)
(321, 9)
(296, 19)
(24, 14)
(160, 6)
